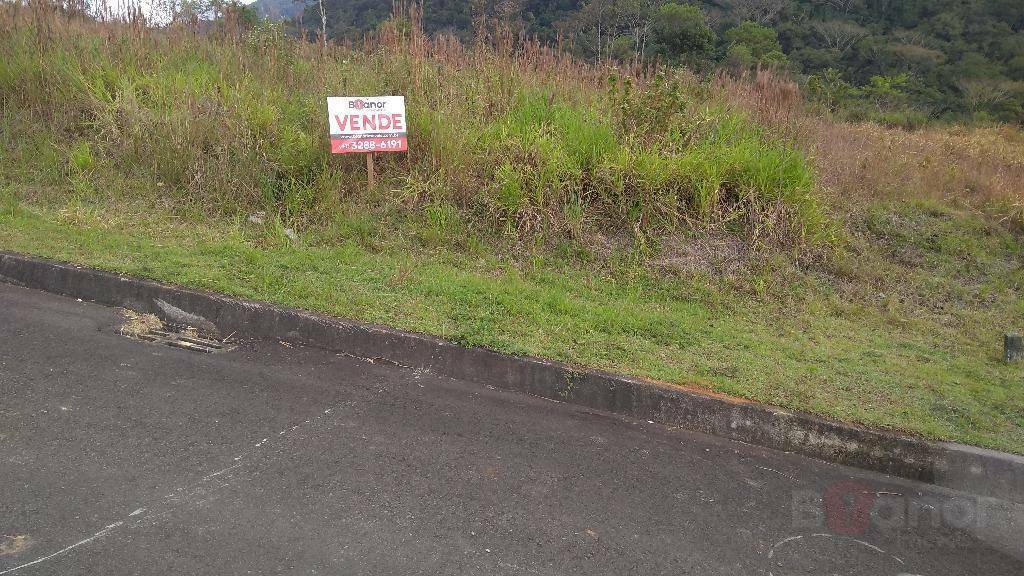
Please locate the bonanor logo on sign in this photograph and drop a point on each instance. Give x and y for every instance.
(367, 124)
(359, 104)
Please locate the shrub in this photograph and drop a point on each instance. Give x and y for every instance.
(526, 141)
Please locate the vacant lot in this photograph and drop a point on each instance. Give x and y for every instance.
(731, 242)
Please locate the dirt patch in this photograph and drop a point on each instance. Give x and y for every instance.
(137, 324)
(14, 545)
(710, 253)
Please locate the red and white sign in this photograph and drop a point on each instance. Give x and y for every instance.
(367, 124)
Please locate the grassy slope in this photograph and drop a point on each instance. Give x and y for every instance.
(148, 158)
(929, 367)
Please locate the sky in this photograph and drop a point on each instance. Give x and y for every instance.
(119, 6)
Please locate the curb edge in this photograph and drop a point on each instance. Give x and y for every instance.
(960, 467)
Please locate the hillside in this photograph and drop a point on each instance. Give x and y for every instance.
(278, 9)
(904, 63)
(708, 232)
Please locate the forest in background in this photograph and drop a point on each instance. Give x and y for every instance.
(901, 63)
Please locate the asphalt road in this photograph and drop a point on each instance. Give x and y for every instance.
(124, 457)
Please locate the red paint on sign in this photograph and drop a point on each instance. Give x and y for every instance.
(349, 122)
(369, 144)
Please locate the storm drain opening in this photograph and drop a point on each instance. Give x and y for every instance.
(149, 328)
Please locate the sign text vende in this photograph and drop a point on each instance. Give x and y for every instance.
(367, 124)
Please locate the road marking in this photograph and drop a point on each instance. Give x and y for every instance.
(100, 534)
(196, 490)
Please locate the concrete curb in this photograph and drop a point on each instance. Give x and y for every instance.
(966, 468)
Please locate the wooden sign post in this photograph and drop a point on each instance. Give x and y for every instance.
(371, 176)
(367, 125)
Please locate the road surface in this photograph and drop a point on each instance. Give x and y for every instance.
(119, 456)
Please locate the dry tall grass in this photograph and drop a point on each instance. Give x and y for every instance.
(981, 168)
(516, 136)
(231, 119)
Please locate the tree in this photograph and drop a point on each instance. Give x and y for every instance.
(598, 17)
(843, 6)
(985, 92)
(323, 23)
(760, 39)
(638, 15)
(917, 57)
(840, 35)
(623, 48)
(609, 21)
(829, 88)
(681, 34)
(939, 44)
(751, 44)
(887, 92)
(759, 11)
(1015, 67)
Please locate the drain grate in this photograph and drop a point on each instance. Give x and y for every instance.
(187, 341)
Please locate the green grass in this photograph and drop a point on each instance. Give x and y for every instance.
(920, 355)
(240, 127)
(546, 224)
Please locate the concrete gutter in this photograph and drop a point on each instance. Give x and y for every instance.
(965, 468)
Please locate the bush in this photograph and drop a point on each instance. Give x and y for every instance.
(542, 145)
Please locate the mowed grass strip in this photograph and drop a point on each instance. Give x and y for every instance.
(803, 346)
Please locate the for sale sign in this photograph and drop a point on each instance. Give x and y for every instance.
(367, 124)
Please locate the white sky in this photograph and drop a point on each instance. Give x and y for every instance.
(118, 6)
